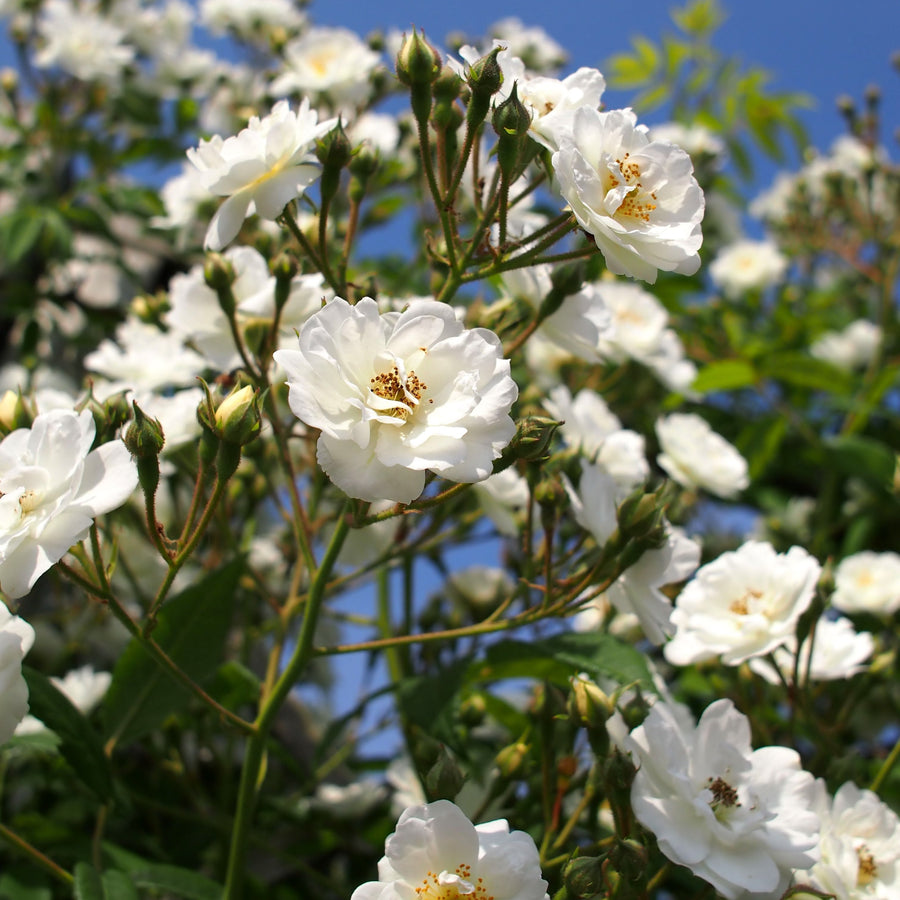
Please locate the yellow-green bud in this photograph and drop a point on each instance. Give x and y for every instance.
(13, 413)
(511, 759)
(418, 62)
(237, 418)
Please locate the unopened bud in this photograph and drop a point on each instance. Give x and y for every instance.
(13, 414)
(485, 76)
(447, 86)
(511, 117)
(363, 166)
(511, 759)
(533, 437)
(333, 149)
(144, 436)
(630, 859)
(583, 877)
(418, 62)
(219, 275)
(284, 268)
(237, 418)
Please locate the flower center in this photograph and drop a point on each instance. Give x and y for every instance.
(452, 885)
(741, 606)
(868, 870)
(724, 796)
(637, 203)
(28, 501)
(404, 392)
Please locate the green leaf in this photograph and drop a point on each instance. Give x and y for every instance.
(760, 442)
(111, 885)
(191, 629)
(726, 375)
(560, 657)
(801, 370)
(80, 744)
(422, 700)
(88, 885)
(20, 233)
(864, 458)
(173, 881)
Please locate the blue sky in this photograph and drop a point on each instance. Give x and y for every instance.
(822, 47)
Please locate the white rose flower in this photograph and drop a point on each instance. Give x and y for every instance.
(851, 348)
(696, 457)
(637, 591)
(398, 394)
(838, 653)
(868, 582)
(261, 169)
(52, 486)
(82, 41)
(747, 266)
(741, 819)
(247, 19)
(16, 638)
(530, 43)
(197, 316)
(581, 323)
(436, 852)
(330, 63)
(639, 330)
(743, 604)
(860, 846)
(695, 139)
(591, 426)
(133, 359)
(638, 198)
(553, 103)
(502, 497)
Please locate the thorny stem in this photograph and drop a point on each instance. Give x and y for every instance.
(289, 220)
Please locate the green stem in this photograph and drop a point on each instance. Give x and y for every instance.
(251, 775)
(308, 248)
(439, 205)
(184, 553)
(43, 861)
(886, 767)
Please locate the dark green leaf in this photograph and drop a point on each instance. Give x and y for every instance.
(192, 628)
(863, 457)
(80, 744)
(560, 657)
(111, 885)
(422, 700)
(171, 880)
